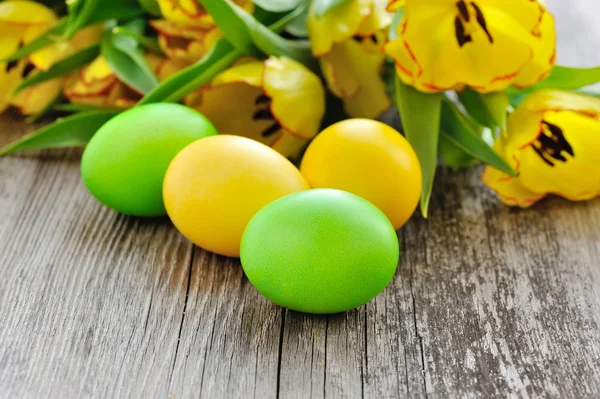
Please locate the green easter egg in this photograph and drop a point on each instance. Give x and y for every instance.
(320, 251)
(124, 164)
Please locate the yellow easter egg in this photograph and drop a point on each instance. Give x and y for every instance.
(214, 186)
(370, 159)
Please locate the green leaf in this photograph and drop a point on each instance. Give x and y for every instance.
(297, 26)
(489, 109)
(289, 18)
(151, 7)
(73, 131)
(248, 35)
(76, 108)
(277, 5)
(321, 7)
(420, 113)
(115, 9)
(189, 79)
(148, 43)
(80, 12)
(125, 58)
(453, 156)
(61, 68)
(458, 130)
(566, 78)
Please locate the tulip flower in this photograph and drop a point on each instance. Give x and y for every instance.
(488, 45)
(36, 99)
(192, 13)
(20, 22)
(553, 140)
(185, 43)
(278, 102)
(348, 41)
(98, 86)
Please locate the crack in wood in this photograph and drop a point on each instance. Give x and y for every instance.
(187, 294)
(280, 358)
(415, 321)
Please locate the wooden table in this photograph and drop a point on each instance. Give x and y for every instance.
(487, 302)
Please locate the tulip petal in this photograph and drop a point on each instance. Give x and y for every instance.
(10, 77)
(191, 12)
(395, 5)
(25, 13)
(509, 189)
(355, 76)
(298, 98)
(545, 55)
(337, 25)
(378, 20)
(11, 38)
(35, 99)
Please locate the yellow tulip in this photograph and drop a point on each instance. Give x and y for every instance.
(277, 102)
(97, 85)
(348, 40)
(36, 99)
(488, 45)
(20, 22)
(553, 140)
(185, 43)
(191, 12)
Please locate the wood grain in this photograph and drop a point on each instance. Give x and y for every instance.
(487, 302)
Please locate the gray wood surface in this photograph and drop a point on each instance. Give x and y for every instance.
(487, 302)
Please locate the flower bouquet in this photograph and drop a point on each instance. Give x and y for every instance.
(475, 81)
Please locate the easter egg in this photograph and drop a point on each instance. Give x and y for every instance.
(370, 159)
(214, 186)
(124, 164)
(320, 251)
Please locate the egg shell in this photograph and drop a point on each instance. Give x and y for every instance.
(124, 164)
(370, 159)
(320, 251)
(214, 186)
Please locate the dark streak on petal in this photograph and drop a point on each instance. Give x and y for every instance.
(11, 65)
(464, 12)
(262, 99)
(271, 130)
(263, 114)
(461, 36)
(27, 70)
(482, 22)
(552, 143)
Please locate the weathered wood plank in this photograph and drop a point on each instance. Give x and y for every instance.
(487, 302)
(90, 302)
(230, 337)
(507, 300)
